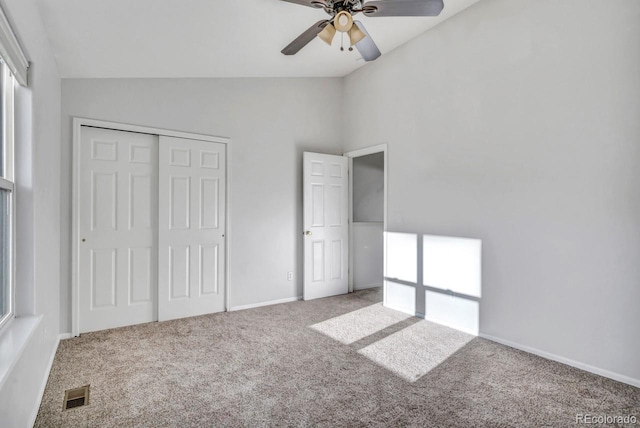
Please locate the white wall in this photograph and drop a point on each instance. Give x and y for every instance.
(38, 215)
(368, 188)
(271, 122)
(368, 255)
(516, 122)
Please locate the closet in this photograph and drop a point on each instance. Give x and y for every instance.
(150, 227)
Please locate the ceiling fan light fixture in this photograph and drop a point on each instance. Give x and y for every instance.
(327, 34)
(343, 21)
(356, 34)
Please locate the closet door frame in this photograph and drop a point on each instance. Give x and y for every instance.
(78, 123)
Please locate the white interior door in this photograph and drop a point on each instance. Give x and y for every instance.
(118, 222)
(326, 227)
(192, 223)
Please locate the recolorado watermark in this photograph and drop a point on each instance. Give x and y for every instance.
(589, 419)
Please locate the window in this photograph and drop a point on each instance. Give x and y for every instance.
(13, 70)
(6, 196)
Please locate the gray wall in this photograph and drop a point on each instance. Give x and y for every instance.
(517, 122)
(368, 188)
(37, 135)
(271, 122)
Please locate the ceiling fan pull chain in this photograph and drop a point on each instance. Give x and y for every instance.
(342, 41)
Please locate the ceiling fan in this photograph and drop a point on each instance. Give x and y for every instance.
(341, 19)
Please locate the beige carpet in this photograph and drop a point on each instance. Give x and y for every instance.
(341, 361)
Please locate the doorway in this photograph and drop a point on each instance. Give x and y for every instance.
(367, 216)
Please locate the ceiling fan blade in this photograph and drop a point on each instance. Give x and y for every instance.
(366, 46)
(311, 3)
(403, 8)
(303, 39)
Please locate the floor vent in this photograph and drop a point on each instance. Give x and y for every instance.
(76, 397)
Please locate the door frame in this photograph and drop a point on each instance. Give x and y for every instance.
(78, 123)
(380, 148)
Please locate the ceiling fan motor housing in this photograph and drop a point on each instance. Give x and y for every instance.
(333, 7)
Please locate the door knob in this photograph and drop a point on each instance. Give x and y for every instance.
(308, 233)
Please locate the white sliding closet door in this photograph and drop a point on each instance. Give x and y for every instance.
(192, 222)
(117, 230)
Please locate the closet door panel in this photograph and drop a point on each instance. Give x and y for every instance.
(118, 228)
(191, 233)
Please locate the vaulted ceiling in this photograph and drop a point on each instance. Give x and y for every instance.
(207, 38)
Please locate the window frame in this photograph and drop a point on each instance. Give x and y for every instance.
(7, 181)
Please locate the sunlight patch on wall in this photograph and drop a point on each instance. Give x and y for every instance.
(414, 351)
(453, 311)
(356, 325)
(400, 297)
(450, 263)
(435, 277)
(402, 260)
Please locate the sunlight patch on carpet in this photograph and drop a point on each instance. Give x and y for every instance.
(356, 325)
(414, 351)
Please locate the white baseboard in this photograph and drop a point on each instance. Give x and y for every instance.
(34, 415)
(64, 336)
(567, 361)
(272, 302)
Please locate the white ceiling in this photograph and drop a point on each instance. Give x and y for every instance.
(207, 38)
